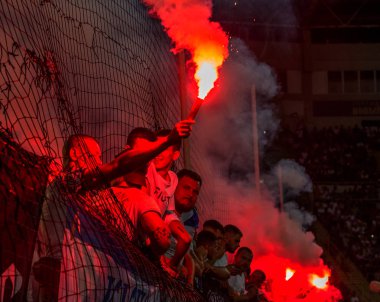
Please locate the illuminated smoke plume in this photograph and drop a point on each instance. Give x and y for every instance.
(224, 130)
(188, 24)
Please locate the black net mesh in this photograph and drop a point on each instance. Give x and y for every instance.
(68, 67)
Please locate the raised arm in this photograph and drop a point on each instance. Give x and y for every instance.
(135, 158)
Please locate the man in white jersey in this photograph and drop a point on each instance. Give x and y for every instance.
(242, 261)
(141, 207)
(218, 270)
(162, 183)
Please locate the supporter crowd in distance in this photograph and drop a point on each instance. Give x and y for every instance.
(342, 164)
(352, 212)
(334, 153)
(157, 211)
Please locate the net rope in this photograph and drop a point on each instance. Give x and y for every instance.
(68, 67)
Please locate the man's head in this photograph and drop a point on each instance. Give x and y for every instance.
(243, 258)
(214, 227)
(164, 161)
(257, 278)
(187, 191)
(81, 151)
(232, 237)
(206, 244)
(139, 137)
(217, 229)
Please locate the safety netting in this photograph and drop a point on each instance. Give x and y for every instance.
(67, 67)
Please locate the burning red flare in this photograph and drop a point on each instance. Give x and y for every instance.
(188, 24)
(205, 76)
(307, 283)
(319, 282)
(289, 273)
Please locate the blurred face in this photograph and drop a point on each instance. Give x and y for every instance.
(257, 278)
(219, 237)
(219, 248)
(232, 242)
(86, 154)
(212, 251)
(243, 260)
(142, 143)
(186, 194)
(166, 158)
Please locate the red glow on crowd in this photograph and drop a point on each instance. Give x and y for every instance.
(188, 25)
(301, 282)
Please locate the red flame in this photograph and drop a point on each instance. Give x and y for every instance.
(307, 283)
(319, 282)
(205, 76)
(289, 273)
(188, 25)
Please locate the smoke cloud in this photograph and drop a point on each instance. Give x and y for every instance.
(225, 135)
(187, 24)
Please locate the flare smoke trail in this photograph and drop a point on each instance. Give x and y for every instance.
(188, 24)
(225, 136)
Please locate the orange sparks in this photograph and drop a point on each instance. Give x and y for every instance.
(319, 282)
(289, 273)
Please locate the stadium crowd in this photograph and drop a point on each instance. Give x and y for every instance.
(156, 209)
(334, 153)
(342, 164)
(351, 211)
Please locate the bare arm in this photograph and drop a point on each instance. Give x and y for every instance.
(190, 267)
(133, 159)
(158, 233)
(220, 273)
(183, 242)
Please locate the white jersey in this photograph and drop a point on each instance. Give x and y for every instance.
(162, 191)
(136, 203)
(222, 261)
(238, 284)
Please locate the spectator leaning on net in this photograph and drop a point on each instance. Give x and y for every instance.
(185, 196)
(231, 241)
(83, 170)
(236, 281)
(254, 285)
(161, 184)
(217, 229)
(141, 208)
(204, 249)
(214, 279)
(150, 223)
